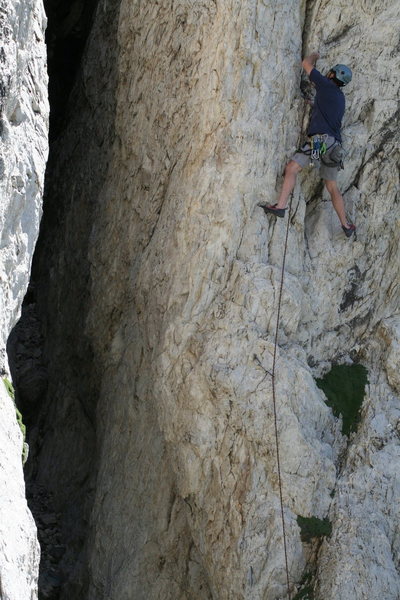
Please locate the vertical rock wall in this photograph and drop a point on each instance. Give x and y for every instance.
(23, 154)
(23, 149)
(185, 115)
(179, 338)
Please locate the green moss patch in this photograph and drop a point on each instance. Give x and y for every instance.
(10, 390)
(305, 593)
(306, 588)
(312, 527)
(344, 387)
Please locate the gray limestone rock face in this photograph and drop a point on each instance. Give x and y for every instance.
(158, 279)
(19, 548)
(23, 155)
(23, 150)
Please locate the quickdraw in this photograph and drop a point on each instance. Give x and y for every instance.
(318, 146)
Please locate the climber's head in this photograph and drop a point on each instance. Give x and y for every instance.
(340, 74)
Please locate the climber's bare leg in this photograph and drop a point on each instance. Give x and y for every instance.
(337, 201)
(291, 171)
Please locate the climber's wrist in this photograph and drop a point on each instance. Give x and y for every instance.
(308, 62)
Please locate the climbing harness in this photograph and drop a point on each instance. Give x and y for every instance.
(318, 146)
(318, 150)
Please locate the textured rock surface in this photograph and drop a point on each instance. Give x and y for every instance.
(184, 116)
(23, 150)
(23, 153)
(19, 548)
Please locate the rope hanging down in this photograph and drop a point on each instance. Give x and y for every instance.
(274, 398)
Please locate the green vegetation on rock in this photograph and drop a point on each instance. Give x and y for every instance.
(305, 594)
(312, 527)
(344, 387)
(10, 390)
(9, 387)
(306, 588)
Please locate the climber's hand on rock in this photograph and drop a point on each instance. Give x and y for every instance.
(309, 62)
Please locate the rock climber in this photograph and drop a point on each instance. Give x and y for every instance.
(323, 147)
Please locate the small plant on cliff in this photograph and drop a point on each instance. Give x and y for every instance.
(344, 387)
(306, 588)
(10, 390)
(312, 527)
(305, 593)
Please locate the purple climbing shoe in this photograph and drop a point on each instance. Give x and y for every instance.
(349, 230)
(272, 210)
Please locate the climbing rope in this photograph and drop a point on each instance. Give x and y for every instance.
(272, 375)
(274, 398)
(278, 461)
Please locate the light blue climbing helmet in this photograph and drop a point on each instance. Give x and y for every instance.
(342, 73)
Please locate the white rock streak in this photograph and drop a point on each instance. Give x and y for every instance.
(19, 548)
(23, 149)
(23, 155)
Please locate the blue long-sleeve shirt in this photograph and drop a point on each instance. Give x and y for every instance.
(328, 109)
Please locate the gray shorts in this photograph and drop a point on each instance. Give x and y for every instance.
(303, 158)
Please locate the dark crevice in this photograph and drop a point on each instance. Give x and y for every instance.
(352, 292)
(67, 31)
(51, 358)
(308, 18)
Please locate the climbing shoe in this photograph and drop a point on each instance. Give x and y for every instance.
(272, 210)
(349, 230)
